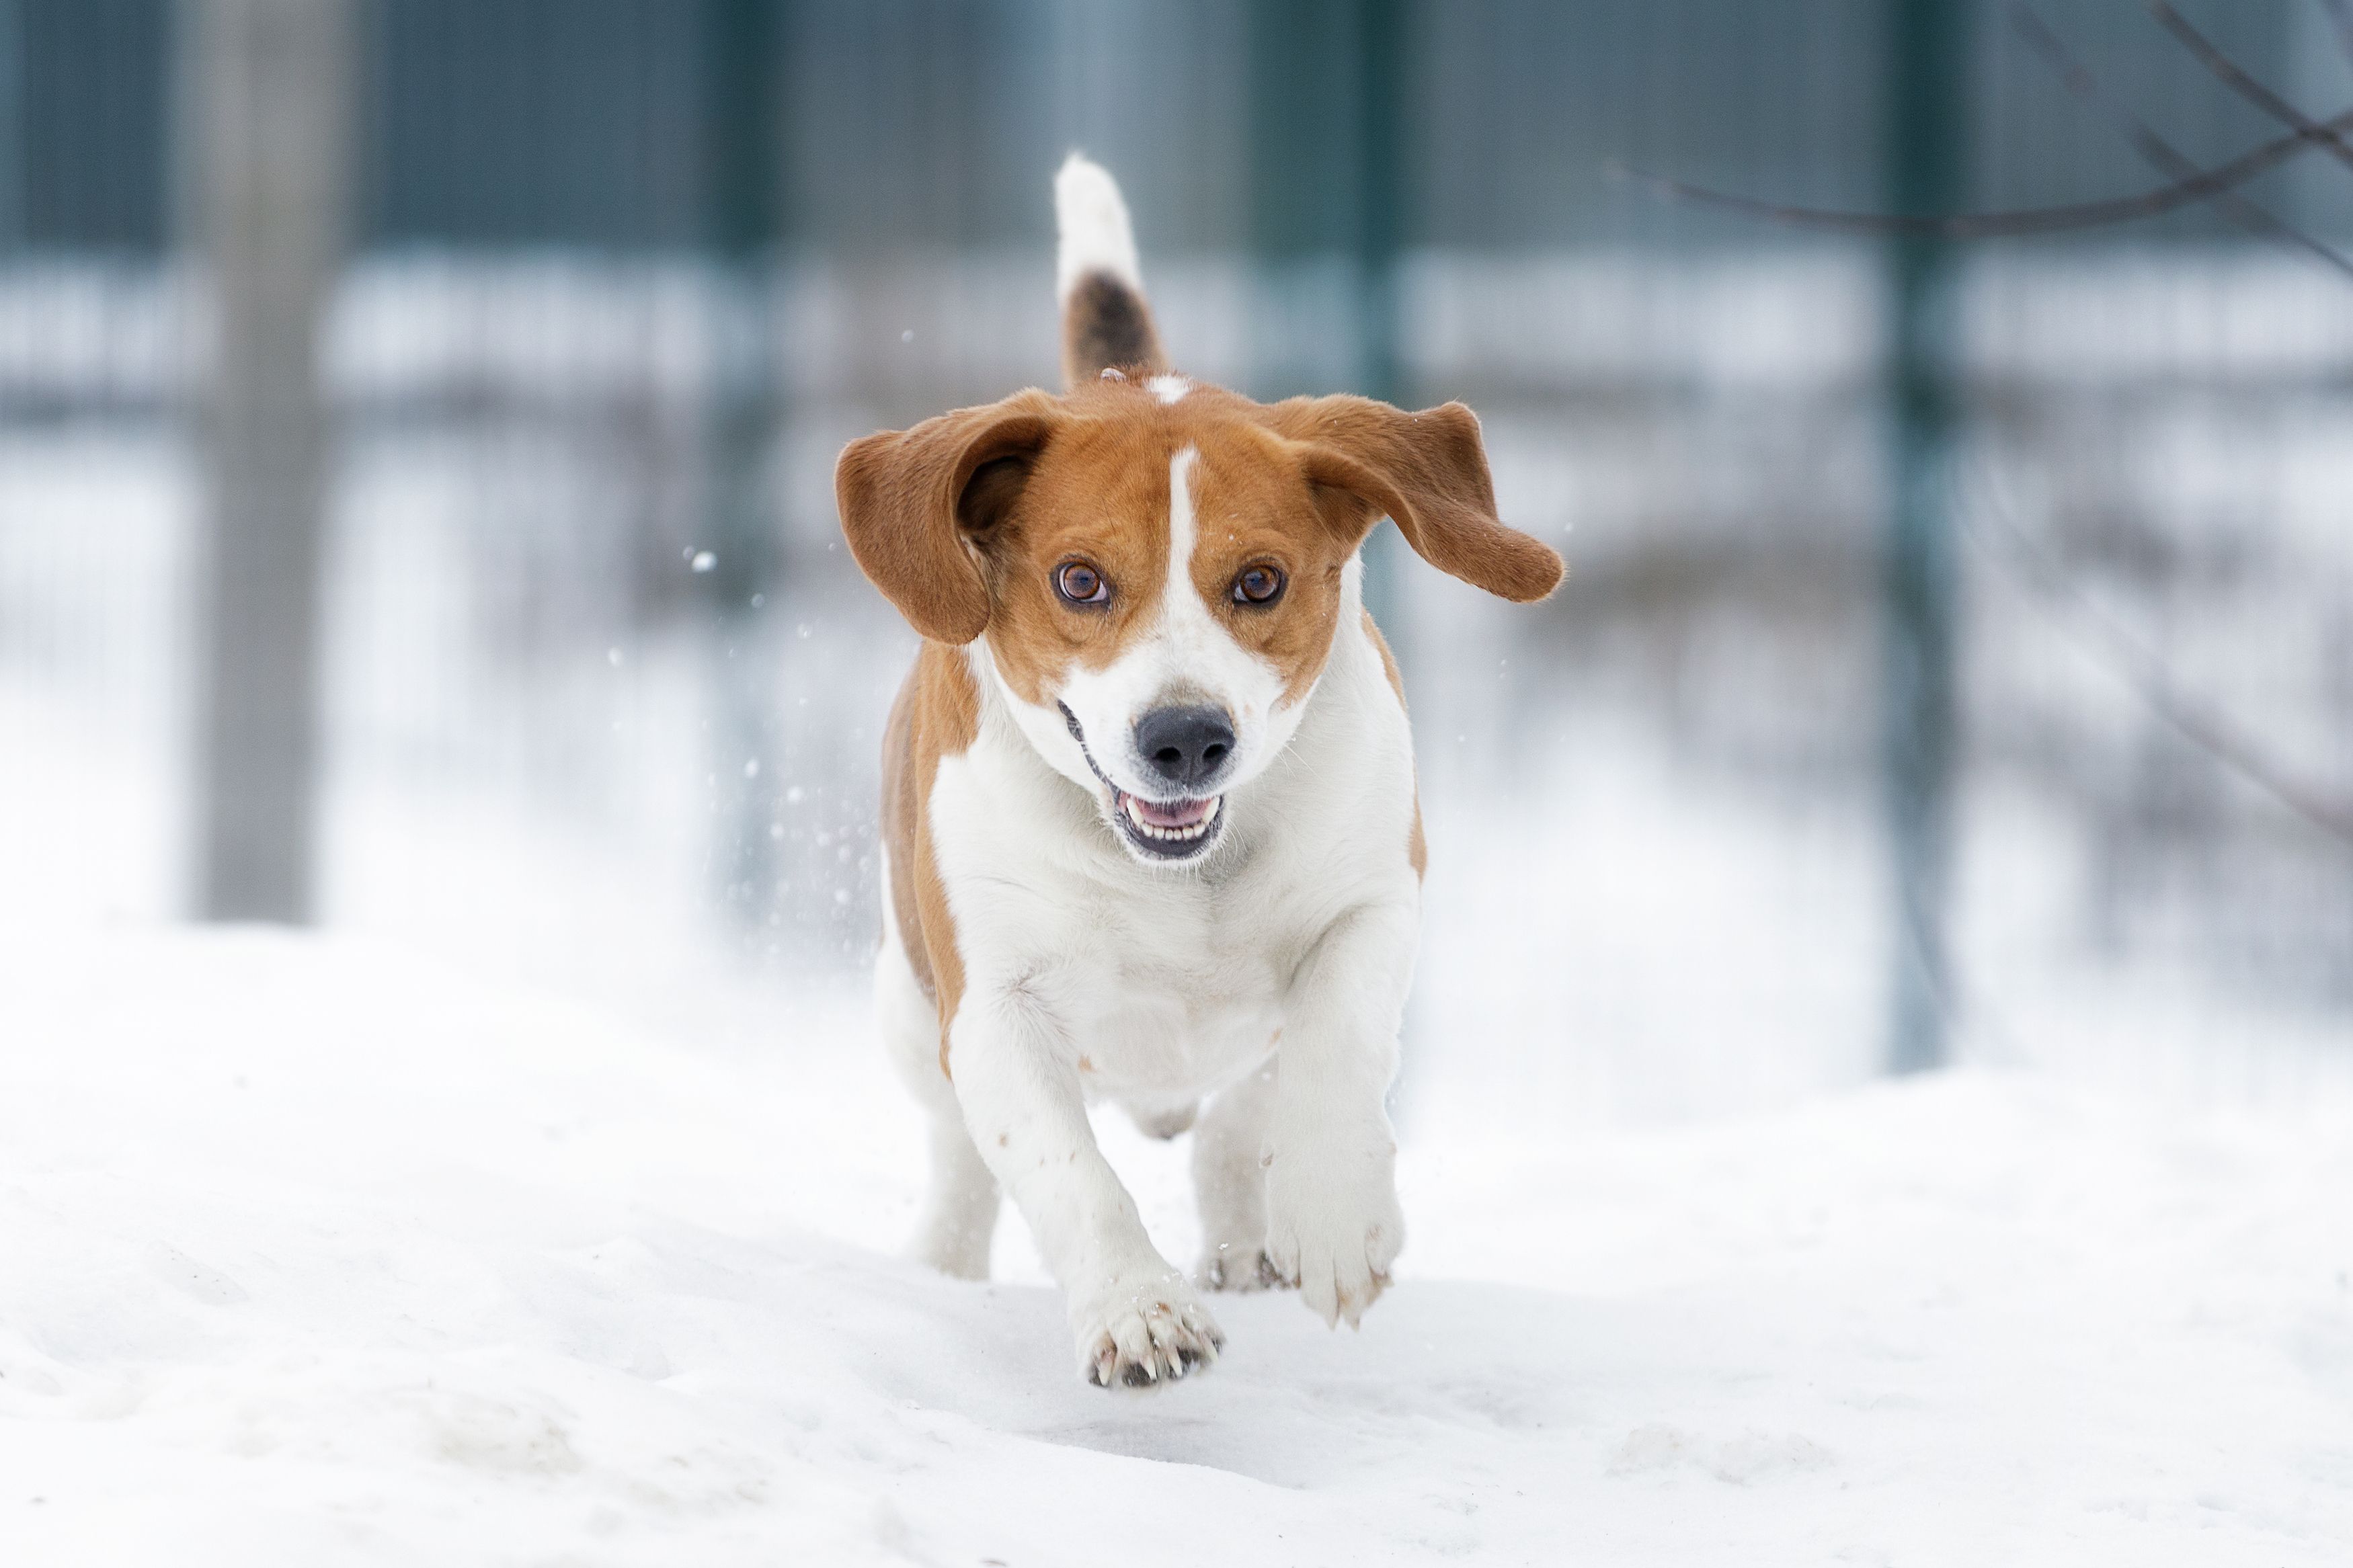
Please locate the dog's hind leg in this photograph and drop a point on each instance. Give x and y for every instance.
(960, 1198)
(959, 1218)
(1229, 1185)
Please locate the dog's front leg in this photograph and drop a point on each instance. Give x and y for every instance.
(1334, 1225)
(1135, 1319)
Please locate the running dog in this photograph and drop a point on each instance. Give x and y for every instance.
(1149, 818)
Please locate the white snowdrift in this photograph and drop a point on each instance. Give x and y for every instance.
(316, 1253)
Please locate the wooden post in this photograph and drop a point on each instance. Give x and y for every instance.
(267, 87)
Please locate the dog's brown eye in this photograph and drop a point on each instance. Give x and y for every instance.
(1081, 583)
(1259, 585)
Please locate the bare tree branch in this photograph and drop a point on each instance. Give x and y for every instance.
(2201, 185)
(2247, 87)
(2155, 149)
(2191, 185)
(2200, 722)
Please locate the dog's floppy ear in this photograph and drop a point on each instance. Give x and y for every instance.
(917, 504)
(1428, 472)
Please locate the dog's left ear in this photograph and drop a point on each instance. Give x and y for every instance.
(1426, 472)
(919, 505)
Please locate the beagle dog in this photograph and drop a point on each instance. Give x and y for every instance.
(1149, 819)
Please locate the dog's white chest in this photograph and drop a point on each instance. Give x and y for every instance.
(1164, 986)
(1175, 1000)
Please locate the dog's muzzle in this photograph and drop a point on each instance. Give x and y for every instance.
(1187, 749)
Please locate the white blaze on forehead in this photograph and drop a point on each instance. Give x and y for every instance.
(1168, 389)
(1190, 644)
(1182, 529)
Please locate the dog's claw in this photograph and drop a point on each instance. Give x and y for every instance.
(1146, 1335)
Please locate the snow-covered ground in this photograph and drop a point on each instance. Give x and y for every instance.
(317, 1250)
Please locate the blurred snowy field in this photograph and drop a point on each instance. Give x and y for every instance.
(1658, 888)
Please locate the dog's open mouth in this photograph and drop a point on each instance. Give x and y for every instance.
(1172, 829)
(1162, 829)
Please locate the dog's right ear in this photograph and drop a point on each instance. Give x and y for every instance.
(917, 504)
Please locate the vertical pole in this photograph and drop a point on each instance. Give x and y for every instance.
(743, 169)
(1327, 179)
(1298, 137)
(268, 88)
(1927, 148)
(12, 123)
(1380, 222)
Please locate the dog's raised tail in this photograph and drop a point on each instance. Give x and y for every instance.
(1106, 325)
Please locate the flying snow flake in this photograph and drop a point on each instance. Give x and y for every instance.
(705, 561)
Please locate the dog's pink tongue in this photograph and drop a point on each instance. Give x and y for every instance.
(1179, 813)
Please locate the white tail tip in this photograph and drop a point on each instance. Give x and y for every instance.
(1092, 219)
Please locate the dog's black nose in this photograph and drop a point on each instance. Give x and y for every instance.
(1185, 746)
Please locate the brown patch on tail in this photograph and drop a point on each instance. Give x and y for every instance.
(1106, 325)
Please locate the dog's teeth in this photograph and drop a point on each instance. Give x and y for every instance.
(1129, 807)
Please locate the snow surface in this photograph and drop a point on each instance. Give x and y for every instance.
(318, 1251)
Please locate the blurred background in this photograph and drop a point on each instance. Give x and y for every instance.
(418, 418)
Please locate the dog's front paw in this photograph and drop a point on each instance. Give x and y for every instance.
(1333, 1231)
(1144, 1328)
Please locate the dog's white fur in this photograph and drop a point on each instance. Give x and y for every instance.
(1268, 977)
(1093, 234)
